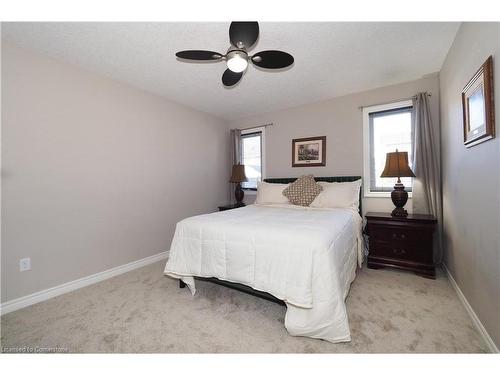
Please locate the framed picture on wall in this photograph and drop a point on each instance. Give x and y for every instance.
(478, 106)
(309, 152)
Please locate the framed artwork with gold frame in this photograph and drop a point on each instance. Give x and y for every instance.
(478, 106)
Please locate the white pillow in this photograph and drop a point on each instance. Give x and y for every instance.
(268, 193)
(338, 195)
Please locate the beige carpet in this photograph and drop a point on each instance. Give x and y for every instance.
(144, 311)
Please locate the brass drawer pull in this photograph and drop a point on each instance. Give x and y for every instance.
(402, 236)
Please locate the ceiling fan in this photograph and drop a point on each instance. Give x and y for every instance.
(242, 35)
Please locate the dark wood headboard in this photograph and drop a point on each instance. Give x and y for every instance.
(324, 179)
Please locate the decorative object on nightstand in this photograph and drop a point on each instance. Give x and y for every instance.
(396, 165)
(230, 207)
(401, 242)
(238, 176)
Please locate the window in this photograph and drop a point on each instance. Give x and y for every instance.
(252, 147)
(386, 128)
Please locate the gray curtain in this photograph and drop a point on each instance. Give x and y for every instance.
(427, 198)
(236, 146)
(235, 157)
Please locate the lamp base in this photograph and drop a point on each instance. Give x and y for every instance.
(239, 194)
(399, 212)
(399, 197)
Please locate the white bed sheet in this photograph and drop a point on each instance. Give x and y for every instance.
(304, 256)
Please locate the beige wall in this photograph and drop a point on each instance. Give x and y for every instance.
(341, 120)
(471, 186)
(95, 174)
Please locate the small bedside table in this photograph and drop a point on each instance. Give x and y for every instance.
(229, 207)
(401, 242)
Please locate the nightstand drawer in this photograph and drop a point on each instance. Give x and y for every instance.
(400, 251)
(396, 234)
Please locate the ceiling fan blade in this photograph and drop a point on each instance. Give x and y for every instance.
(243, 34)
(272, 59)
(230, 78)
(198, 55)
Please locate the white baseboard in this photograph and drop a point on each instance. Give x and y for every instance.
(482, 331)
(43, 295)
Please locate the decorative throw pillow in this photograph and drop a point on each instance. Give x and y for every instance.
(303, 191)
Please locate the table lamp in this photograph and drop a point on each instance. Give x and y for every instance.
(238, 176)
(396, 165)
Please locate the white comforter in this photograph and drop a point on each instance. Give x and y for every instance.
(303, 256)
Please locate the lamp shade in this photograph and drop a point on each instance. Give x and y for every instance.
(396, 165)
(238, 174)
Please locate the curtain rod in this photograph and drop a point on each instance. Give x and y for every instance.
(410, 98)
(258, 126)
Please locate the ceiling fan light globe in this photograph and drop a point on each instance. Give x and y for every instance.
(237, 62)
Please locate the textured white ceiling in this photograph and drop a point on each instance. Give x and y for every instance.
(331, 59)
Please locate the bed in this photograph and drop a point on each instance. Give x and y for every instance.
(303, 257)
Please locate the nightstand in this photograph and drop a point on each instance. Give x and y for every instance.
(230, 207)
(401, 242)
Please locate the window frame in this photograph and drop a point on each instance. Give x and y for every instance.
(261, 130)
(367, 146)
